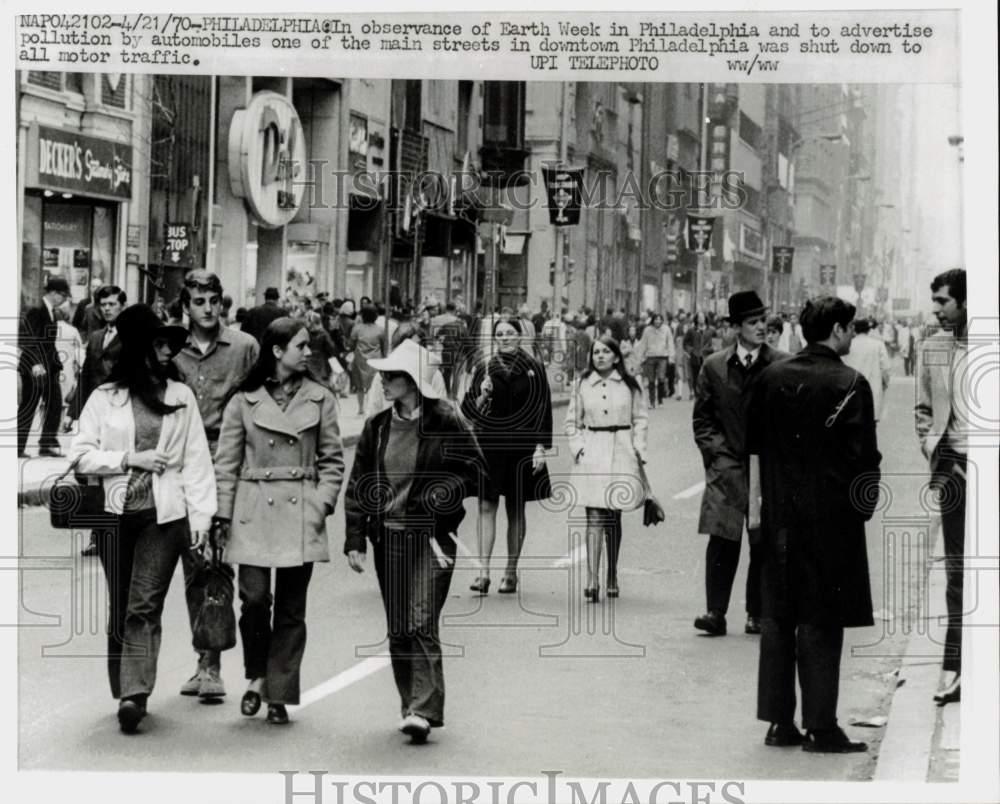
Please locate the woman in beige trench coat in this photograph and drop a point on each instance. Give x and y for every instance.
(279, 466)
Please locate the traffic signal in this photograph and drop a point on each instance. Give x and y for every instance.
(552, 273)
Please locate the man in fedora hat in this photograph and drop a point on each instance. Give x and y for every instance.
(38, 367)
(722, 390)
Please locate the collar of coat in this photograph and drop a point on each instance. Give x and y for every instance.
(118, 395)
(593, 378)
(222, 338)
(820, 350)
(299, 415)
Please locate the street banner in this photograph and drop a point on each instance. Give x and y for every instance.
(564, 189)
(781, 259)
(699, 233)
(828, 275)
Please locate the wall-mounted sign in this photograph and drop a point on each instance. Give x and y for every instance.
(267, 154)
(828, 275)
(751, 242)
(75, 163)
(177, 244)
(699, 233)
(781, 259)
(565, 193)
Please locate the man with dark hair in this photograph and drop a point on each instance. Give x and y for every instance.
(38, 367)
(213, 362)
(87, 316)
(263, 314)
(812, 423)
(722, 389)
(941, 426)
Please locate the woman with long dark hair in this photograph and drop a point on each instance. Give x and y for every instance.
(279, 466)
(606, 425)
(414, 464)
(509, 406)
(142, 433)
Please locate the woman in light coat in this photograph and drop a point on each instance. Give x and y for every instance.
(656, 350)
(606, 425)
(279, 466)
(142, 433)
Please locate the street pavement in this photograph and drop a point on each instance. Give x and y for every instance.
(535, 681)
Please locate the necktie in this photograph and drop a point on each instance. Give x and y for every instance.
(108, 336)
(748, 360)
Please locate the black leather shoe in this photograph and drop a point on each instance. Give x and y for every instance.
(89, 550)
(277, 715)
(713, 623)
(250, 703)
(50, 452)
(783, 734)
(592, 593)
(950, 693)
(831, 741)
(131, 711)
(752, 626)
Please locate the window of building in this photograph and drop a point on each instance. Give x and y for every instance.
(412, 112)
(503, 113)
(60, 82)
(114, 90)
(750, 132)
(464, 113)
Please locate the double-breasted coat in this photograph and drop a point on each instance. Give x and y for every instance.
(719, 420)
(279, 473)
(606, 473)
(812, 422)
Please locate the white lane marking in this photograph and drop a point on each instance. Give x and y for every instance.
(573, 558)
(350, 676)
(697, 488)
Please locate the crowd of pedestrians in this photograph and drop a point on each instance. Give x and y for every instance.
(216, 434)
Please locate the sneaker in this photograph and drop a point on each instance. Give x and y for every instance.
(211, 684)
(193, 685)
(416, 727)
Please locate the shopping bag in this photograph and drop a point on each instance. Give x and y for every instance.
(652, 511)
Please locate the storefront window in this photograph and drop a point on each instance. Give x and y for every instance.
(77, 242)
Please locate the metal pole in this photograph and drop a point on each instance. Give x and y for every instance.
(558, 272)
(702, 166)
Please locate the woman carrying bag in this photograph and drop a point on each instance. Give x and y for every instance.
(279, 466)
(606, 425)
(414, 465)
(509, 406)
(142, 433)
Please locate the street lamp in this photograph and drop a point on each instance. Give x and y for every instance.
(957, 141)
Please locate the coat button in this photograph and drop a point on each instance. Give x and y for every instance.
(267, 473)
(270, 500)
(291, 440)
(293, 500)
(295, 472)
(605, 411)
(270, 442)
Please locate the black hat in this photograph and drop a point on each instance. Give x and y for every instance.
(272, 294)
(744, 304)
(57, 284)
(138, 325)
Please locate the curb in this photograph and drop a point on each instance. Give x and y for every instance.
(907, 747)
(39, 495)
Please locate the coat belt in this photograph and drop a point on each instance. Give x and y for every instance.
(279, 473)
(610, 429)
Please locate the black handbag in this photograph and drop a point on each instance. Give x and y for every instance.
(652, 511)
(76, 503)
(215, 626)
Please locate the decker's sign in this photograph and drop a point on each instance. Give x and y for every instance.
(79, 164)
(267, 158)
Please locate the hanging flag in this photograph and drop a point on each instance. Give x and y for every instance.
(698, 233)
(781, 259)
(564, 189)
(828, 275)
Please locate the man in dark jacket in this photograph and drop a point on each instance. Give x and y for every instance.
(38, 367)
(263, 314)
(811, 421)
(723, 388)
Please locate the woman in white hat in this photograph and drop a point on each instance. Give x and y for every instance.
(413, 466)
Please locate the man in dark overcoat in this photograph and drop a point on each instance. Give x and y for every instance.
(38, 368)
(722, 390)
(811, 421)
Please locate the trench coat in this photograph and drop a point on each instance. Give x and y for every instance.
(719, 420)
(812, 422)
(606, 474)
(279, 473)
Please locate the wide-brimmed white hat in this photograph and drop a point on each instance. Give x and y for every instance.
(411, 358)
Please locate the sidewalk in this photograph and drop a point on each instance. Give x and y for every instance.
(36, 475)
(921, 742)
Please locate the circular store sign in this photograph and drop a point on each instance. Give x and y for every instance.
(267, 155)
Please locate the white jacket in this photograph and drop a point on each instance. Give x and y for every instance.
(869, 356)
(107, 431)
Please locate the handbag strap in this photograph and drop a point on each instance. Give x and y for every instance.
(69, 469)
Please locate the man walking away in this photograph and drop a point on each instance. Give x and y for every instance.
(719, 419)
(940, 421)
(263, 314)
(213, 362)
(869, 356)
(811, 421)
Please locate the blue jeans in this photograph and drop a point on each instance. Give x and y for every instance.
(414, 590)
(139, 557)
